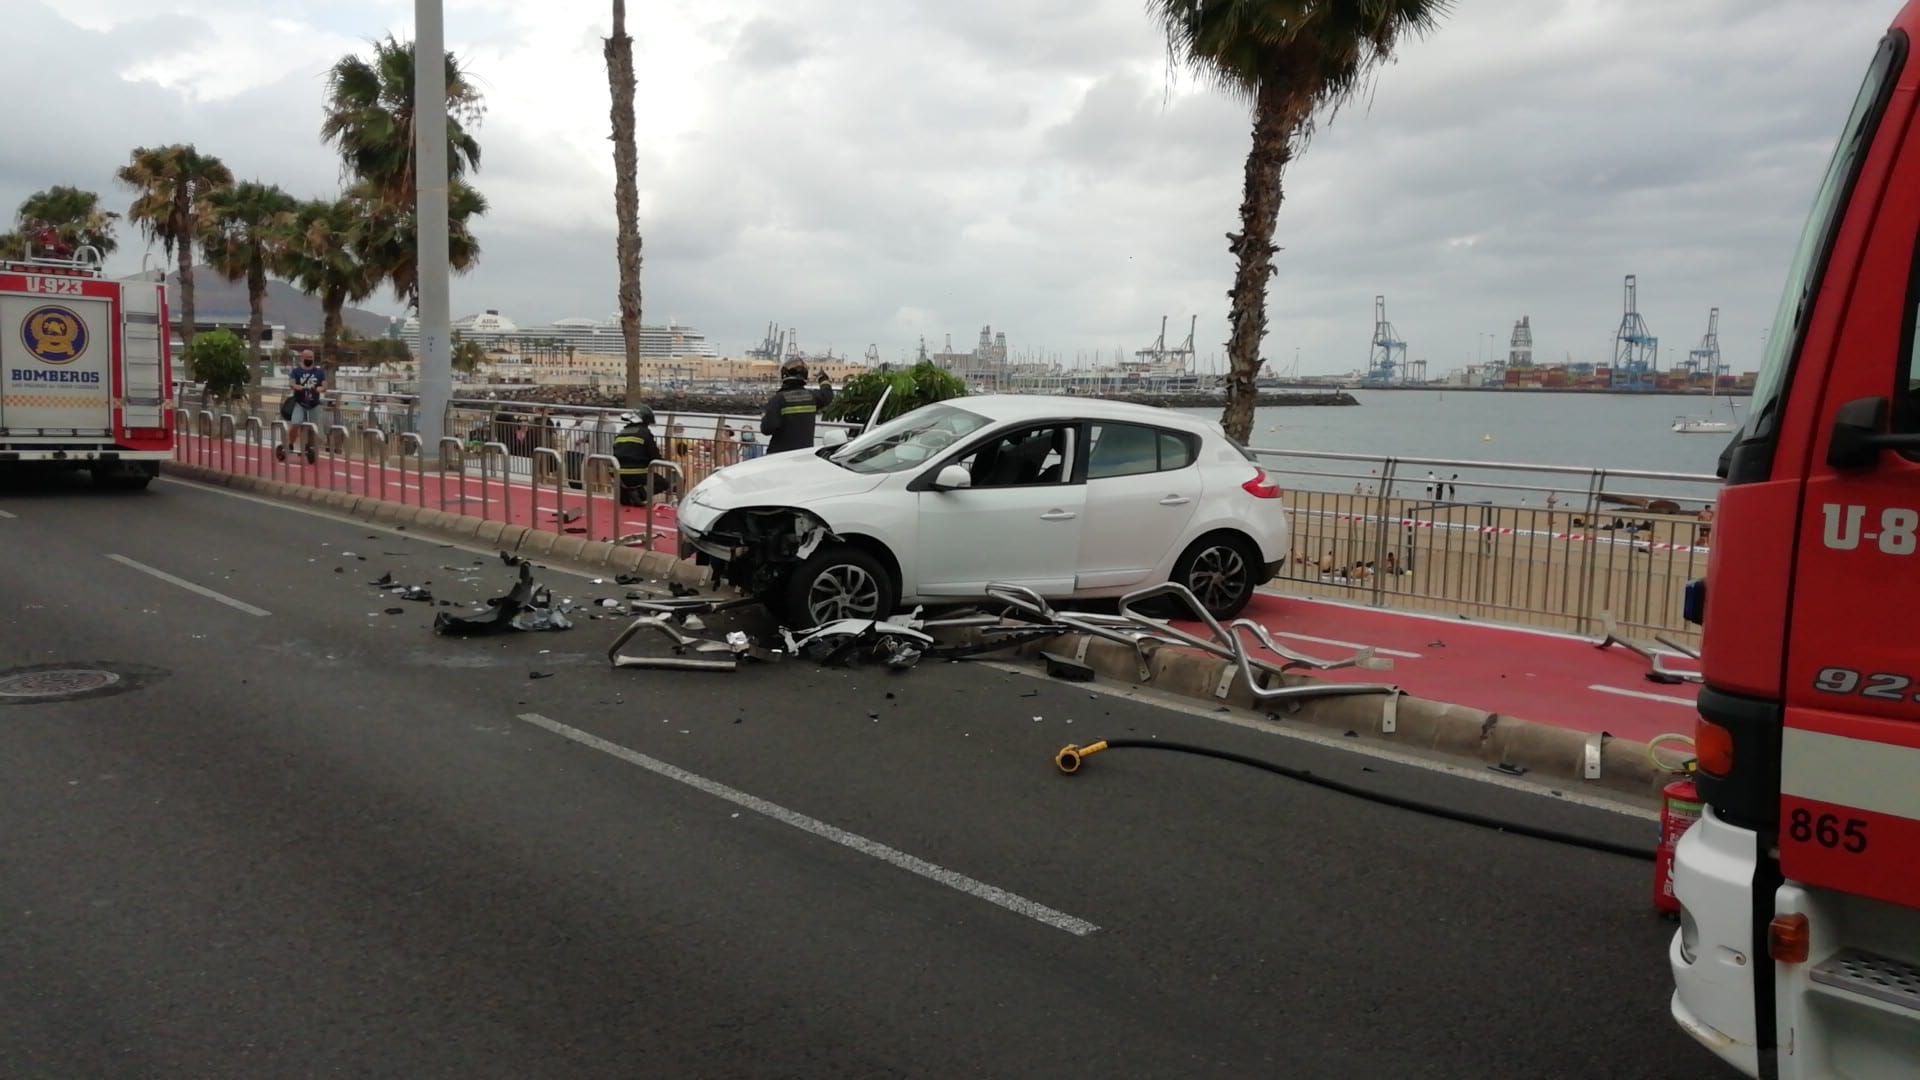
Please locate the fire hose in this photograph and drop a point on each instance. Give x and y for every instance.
(1072, 756)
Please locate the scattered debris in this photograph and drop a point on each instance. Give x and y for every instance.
(629, 579)
(396, 611)
(1509, 769)
(510, 559)
(845, 641)
(1061, 667)
(526, 607)
(539, 674)
(416, 593)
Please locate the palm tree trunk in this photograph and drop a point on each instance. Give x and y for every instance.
(626, 196)
(1277, 115)
(183, 240)
(331, 302)
(256, 326)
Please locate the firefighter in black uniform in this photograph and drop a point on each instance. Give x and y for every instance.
(635, 449)
(788, 421)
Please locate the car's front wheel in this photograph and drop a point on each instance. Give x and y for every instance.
(1221, 570)
(838, 582)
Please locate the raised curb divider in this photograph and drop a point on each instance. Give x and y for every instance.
(1552, 755)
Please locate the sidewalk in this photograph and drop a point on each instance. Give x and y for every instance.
(1548, 678)
(498, 499)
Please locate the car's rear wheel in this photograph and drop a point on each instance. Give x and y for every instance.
(838, 582)
(1221, 570)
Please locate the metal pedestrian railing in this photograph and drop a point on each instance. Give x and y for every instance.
(1552, 546)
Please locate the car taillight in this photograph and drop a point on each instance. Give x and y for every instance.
(1260, 487)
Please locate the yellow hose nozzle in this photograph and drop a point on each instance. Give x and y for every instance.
(1071, 755)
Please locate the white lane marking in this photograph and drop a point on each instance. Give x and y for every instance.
(1347, 645)
(4, 514)
(1477, 774)
(1019, 905)
(1644, 696)
(238, 605)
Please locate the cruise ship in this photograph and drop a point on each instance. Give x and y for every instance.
(595, 337)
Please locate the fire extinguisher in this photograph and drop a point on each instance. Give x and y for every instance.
(1679, 809)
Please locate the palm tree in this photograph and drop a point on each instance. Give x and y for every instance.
(618, 49)
(174, 186)
(318, 256)
(68, 216)
(370, 119)
(385, 238)
(245, 234)
(1289, 59)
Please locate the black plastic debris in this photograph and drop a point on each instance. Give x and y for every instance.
(511, 559)
(416, 593)
(396, 611)
(629, 579)
(526, 606)
(1509, 768)
(1061, 667)
(384, 580)
(678, 589)
(539, 674)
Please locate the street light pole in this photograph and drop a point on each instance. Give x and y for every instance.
(430, 217)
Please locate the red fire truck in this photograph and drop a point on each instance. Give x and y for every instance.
(84, 371)
(1798, 953)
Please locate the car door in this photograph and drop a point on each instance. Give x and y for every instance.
(1019, 522)
(1142, 490)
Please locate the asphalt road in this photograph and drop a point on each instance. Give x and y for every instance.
(323, 841)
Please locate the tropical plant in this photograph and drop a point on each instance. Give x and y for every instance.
(922, 384)
(1289, 60)
(467, 355)
(618, 49)
(68, 216)
(245, 234)
(218, 361)
(370, 119)
(174, 188)
(386, 238)
(318, 257)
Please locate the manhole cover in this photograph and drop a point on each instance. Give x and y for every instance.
(58, 682)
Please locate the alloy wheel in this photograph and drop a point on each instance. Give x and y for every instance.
(1218, 577)
(843, 591)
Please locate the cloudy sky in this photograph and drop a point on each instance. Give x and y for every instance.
(871, 171)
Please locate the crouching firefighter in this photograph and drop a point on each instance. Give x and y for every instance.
(636, 451)
(788, 421)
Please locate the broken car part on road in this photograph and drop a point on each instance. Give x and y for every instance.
(526, 607)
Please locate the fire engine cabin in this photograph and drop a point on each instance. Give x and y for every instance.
(84, 370)
(1798, 954)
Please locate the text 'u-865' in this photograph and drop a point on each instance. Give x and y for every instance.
(1899, 532)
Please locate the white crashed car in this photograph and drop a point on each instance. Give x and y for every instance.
(1069, 497)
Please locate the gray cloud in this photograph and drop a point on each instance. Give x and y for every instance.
(875, 170)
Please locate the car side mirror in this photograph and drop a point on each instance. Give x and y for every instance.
(1856, 440)
(952, 478)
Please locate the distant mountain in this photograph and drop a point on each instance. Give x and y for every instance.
(226, 301)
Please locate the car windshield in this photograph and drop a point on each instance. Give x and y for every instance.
(909, 440)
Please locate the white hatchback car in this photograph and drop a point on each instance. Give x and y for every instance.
(1072, 498)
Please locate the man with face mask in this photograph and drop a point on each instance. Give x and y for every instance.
(309, 384)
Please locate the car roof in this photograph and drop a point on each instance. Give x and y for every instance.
(1006, 407)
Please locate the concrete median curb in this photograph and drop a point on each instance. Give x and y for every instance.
(1551, 755)
(573, 551)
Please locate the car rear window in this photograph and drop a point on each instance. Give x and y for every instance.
(1131, 450)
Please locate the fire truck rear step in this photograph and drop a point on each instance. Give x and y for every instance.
(1881, 978)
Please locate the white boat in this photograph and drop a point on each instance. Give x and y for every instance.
(1694, 425)
(1707, 425)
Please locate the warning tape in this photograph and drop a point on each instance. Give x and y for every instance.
(1498, 530)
